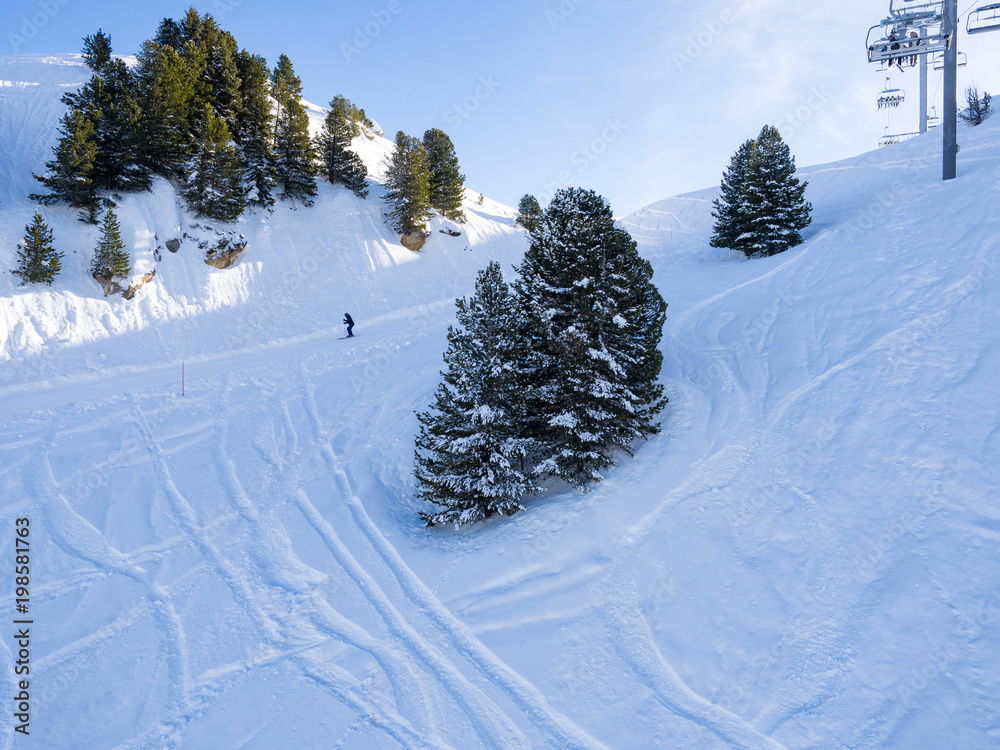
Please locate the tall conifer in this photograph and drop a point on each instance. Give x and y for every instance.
(471, 450)
(447, 184)
(408, 186)
(110, 261)
(293, 153)
(339, 163)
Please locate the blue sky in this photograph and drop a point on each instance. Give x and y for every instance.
(637, 99)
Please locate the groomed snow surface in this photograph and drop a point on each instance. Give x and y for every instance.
(807, 557)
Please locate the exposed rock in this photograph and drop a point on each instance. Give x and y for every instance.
(219, 258)
(413, 241)
(134, 288)
(450, 232)
(173, 245)
(111, 286)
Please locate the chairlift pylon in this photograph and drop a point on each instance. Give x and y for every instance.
(984, 18)
(890, 98)
(938, 61)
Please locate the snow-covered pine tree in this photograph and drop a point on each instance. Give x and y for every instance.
(294, 159)
(37, 259)
(447, 184)
(70, 174)
(97, 50)
(529, 212)
(407, 185)
(338, 162)
(730, 224)
(110, 261)
(773, 201)
(214, 186)
(634, 339)
(762, 207)
(255, 134)
(166, 89)
(471, 449)
(593, 389)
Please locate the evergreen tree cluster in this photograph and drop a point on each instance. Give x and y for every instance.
(549, 377)
(423, 176)
(761, 208)
(198, 110)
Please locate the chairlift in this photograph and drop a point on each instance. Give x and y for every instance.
(933, 120)
(889, 140)
(890, 98)
(986, 18)
(938, 61)
(916, 9)
(896, 43)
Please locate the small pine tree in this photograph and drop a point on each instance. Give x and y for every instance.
(762, 207)
(97, 50)
(214, 183)
(70, 177)
(339, 163)
(37, 260)
(529, 212)
(294, 158)
(447, 184)
(471, 451)
(110, 261)
(408, 186)
(594, 322)
(977, 108)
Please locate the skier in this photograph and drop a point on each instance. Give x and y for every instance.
(349, 322)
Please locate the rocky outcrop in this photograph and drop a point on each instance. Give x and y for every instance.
(413, 241)
(226, 255)
(173, 245)
(450, 232)
(110, 286)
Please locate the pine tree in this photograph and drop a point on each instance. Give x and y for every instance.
(773, 198)
(168, 34)
(977, 108)
(447, 184)
(729, 222)
(166, 91)
(293, 154)
(339, 163)
(588, 300)
(70, 173)
(214, 183)
(255, 133)
(529, 213)
(110, 261)
(762, 207)
(37, 259)
(97, 50)
(471, 450)
(110, 101)
(408, 186)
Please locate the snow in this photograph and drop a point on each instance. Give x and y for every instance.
(806, 557)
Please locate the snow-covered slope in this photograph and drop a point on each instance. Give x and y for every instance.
(807, 557)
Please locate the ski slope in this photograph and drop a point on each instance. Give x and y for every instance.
(807, 557)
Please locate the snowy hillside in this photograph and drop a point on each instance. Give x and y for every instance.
(807, 557)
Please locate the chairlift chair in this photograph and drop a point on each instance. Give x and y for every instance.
(933, 120)
(889, 140)
(916, 9)
(938, 61)
(986, 18)
(895, 42)
(890, 98)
